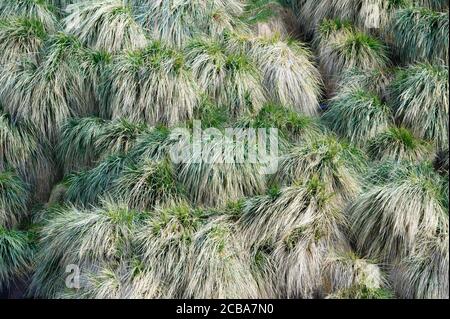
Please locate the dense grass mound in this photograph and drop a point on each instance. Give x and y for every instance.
(224, 149)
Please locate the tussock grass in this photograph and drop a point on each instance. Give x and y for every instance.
(311, 14)
(119, 137)
(148, 184)
(23, 150)
(176, 22)
(351, 275)
(229, 78)
(335, 164)
(217, 180)
(421, 34)
(78, 137)
(87, 187)
(399, 144)
(151, 85)
(242, 89)
(424, 274)
(289, 73)
(34, 9)
(377, 81)
(346, 48)
(14, 199)
(267, 18)
(16, 253)
(97, 90)
(88, 140)
(389, 217)
(221, 266)
(164, 243)
(105, 25)
(291, 125)
(49, 91)
(304, 226)
(421, 101)
(84, 237)
(358, 116)
(20, 37)
(362, 292)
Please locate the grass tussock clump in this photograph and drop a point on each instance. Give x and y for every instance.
(229, 78)
(151, 85)
(388, 218)
(32, 9)
(399, 144)
(224, 149)
(19, 38)
(14, 197)
(48, 91)
(88, 238)
(105, 25)
(336, 164)
(176, 22)
(26, 153)
(342, 47)
(421, 87)
(358, 116)
(220, 264)
(16, 255)
(424, 274)
(421, 34)
(303, 225)
(289, 74)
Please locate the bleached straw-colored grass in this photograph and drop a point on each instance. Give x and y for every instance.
(210, 178)
(118, 137)
(312, 13)
(208, 58)
(220, 265)
(268, 17)
(82, 237)
(377, 81)
(291, 125)
(347, 48)
(345, 271)
(164, 243)
(48, 91)
(230, 79)
(424, 274)
(289, 73)
(302, 226)
(23, 150)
